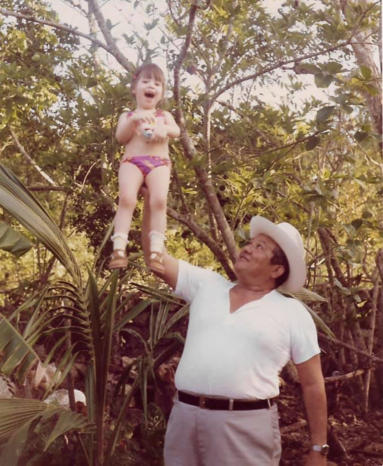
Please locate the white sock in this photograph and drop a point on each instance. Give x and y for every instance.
(120, 240)
(157, 241)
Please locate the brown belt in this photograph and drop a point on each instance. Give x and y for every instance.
(224, 404)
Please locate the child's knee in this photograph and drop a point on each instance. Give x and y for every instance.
(157, 203)
(127, 202)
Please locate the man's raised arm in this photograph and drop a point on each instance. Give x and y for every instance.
(171, 270)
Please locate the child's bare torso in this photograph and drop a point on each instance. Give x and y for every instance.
(140, 144)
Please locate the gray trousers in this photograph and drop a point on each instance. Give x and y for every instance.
(203, 437)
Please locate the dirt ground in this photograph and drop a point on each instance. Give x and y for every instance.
(355, 439)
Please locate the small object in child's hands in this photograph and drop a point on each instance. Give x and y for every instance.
(147, 133)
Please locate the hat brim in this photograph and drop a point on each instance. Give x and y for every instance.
(294, 254)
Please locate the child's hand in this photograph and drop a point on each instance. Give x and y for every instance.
(160, 133)
(142, 120)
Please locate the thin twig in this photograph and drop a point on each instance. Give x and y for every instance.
(30, 159)
(372, 357)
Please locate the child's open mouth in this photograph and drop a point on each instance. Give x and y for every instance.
(149, 94)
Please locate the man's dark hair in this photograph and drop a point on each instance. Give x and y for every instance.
(279, 258)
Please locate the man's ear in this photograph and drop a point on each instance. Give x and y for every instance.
(277, 271)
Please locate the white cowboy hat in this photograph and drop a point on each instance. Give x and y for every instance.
(290, 241)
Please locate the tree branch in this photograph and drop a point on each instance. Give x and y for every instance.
(110, 48)
(205, 238)
(349, 375)
(281, 63)
(372, 357)
(189, 150)
(47, 188)
(30, 160)
(114, 50)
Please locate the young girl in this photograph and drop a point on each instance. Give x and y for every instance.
(145, 132)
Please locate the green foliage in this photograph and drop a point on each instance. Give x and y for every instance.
(280, 129)
(13, 241)
(18, 419)
(83, 321)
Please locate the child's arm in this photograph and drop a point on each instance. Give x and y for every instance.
(172, 127)
(126, 128)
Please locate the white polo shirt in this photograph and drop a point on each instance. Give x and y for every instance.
(240, 354)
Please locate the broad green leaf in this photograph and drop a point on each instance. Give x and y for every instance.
(332, 67)
(347, 108)
(371, 89)
(324, 113)
(13, 241)
(323, 80)
(365, 72)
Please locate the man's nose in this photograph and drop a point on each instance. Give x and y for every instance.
(248, 247)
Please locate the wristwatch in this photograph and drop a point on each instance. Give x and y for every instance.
(322, 449)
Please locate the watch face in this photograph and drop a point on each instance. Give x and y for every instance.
(322, 449)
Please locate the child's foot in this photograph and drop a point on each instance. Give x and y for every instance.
(156, 262)
(118, 259)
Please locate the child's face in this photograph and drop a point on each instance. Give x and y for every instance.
(148, 91)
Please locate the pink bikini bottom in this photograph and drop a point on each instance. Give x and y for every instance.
(147, 163)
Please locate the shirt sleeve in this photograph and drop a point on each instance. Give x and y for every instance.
(189, 279)
(304, 337)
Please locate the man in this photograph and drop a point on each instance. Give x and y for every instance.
(239, 337)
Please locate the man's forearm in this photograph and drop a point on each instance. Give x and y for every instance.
(316, 410)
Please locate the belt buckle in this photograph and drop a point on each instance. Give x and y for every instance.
(269, 404)
(202, 402)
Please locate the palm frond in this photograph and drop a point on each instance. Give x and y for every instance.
(18, 417)
(132, 313)
(19, 202)
(18, 355)
(307, 295)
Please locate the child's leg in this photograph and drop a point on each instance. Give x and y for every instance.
(130, 179)
(158, 186)
(145, 241)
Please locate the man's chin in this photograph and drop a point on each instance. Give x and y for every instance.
(238, 266)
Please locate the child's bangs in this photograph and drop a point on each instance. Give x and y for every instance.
(152, 71)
